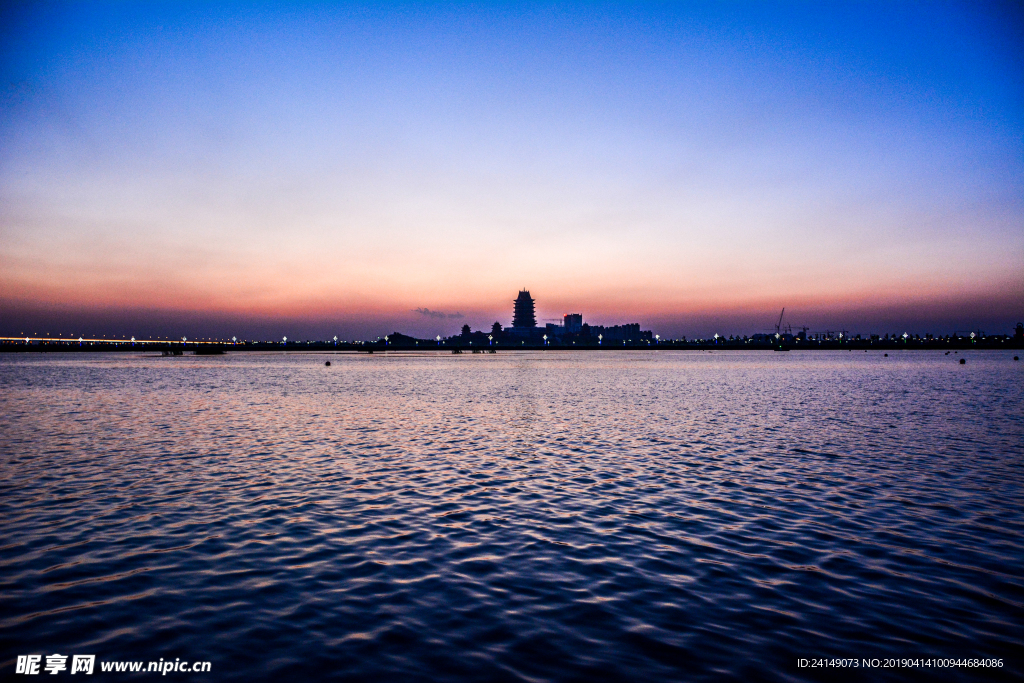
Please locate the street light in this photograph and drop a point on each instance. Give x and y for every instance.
(545, 340)
(599, 338)
(489, 340)
(439, 340)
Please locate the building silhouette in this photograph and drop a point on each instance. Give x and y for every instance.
(523, 315)
(572, 331)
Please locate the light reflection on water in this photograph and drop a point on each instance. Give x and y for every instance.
(527, 516)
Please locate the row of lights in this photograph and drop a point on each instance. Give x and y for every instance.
(490, 339)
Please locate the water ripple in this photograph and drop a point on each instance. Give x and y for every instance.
(519, 517)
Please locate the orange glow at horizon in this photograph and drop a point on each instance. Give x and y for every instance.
(397, 299)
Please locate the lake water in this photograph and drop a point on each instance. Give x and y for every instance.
(522, 517)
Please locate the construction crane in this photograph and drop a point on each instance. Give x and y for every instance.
(781, 330)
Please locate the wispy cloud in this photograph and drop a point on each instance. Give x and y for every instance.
(436, 314)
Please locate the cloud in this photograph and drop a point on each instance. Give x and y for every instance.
(436, 314)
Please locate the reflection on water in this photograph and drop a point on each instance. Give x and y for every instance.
(546, 516)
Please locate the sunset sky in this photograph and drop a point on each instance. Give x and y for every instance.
(303, 169)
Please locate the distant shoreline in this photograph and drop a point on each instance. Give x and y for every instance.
(1005, 342)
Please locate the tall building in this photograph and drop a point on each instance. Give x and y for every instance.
(523, 315)
(573, 322)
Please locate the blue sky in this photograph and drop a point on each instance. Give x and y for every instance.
(690, 166)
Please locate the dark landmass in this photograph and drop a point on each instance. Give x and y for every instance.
(477, 342)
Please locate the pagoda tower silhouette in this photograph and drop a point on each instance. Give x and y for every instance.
(523, 315)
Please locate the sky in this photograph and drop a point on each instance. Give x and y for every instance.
(304, 169)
